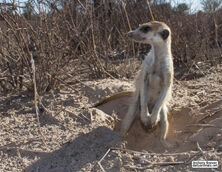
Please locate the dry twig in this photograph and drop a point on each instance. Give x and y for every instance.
(151, 13)
(152, 164)
(99, 162)
(129, 25)
(202, 125)
(149, 153)
(35, 99)
(84, 117)
(210, 115)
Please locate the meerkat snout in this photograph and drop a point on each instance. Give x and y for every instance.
(130, 34)
(136, 36)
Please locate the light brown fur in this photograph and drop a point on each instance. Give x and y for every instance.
(153, 83)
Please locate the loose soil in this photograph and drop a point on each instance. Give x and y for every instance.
(75, 137)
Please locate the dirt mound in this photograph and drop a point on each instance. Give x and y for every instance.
(182, 124)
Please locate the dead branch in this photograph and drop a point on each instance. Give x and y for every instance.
(152, 164)
(151, 13)
(99, 162)
(149, 153)
(209, 115)
(84, 118)
(202, 125)
(36, 100)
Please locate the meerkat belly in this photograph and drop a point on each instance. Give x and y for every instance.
(154, 89)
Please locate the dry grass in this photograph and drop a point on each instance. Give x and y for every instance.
(82, 40)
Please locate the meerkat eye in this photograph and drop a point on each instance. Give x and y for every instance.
(145, 29)
(164, 34)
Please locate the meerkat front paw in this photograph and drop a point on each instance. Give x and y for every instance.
(146, 121)
(155, 118)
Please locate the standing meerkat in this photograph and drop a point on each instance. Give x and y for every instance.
(153, 83)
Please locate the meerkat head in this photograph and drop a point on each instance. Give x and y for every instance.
(151, 33)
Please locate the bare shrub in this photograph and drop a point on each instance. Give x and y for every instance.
(77, 40)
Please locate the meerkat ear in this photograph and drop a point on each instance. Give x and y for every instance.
(164, 34)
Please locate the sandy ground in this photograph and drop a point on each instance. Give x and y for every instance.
(77, 138)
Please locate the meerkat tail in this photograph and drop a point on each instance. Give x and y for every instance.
(113, 97)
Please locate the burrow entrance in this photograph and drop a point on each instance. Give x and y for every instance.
(182, 133)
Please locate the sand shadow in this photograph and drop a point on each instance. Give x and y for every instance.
(75, 155)
(22, 103)
(14, 101)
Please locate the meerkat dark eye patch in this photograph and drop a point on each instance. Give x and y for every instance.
(145, 29)
(164, 34)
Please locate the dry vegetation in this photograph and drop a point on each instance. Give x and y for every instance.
(61, 50)
(86, 40)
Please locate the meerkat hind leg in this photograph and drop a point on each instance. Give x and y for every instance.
(130, 116)
(164, 126)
